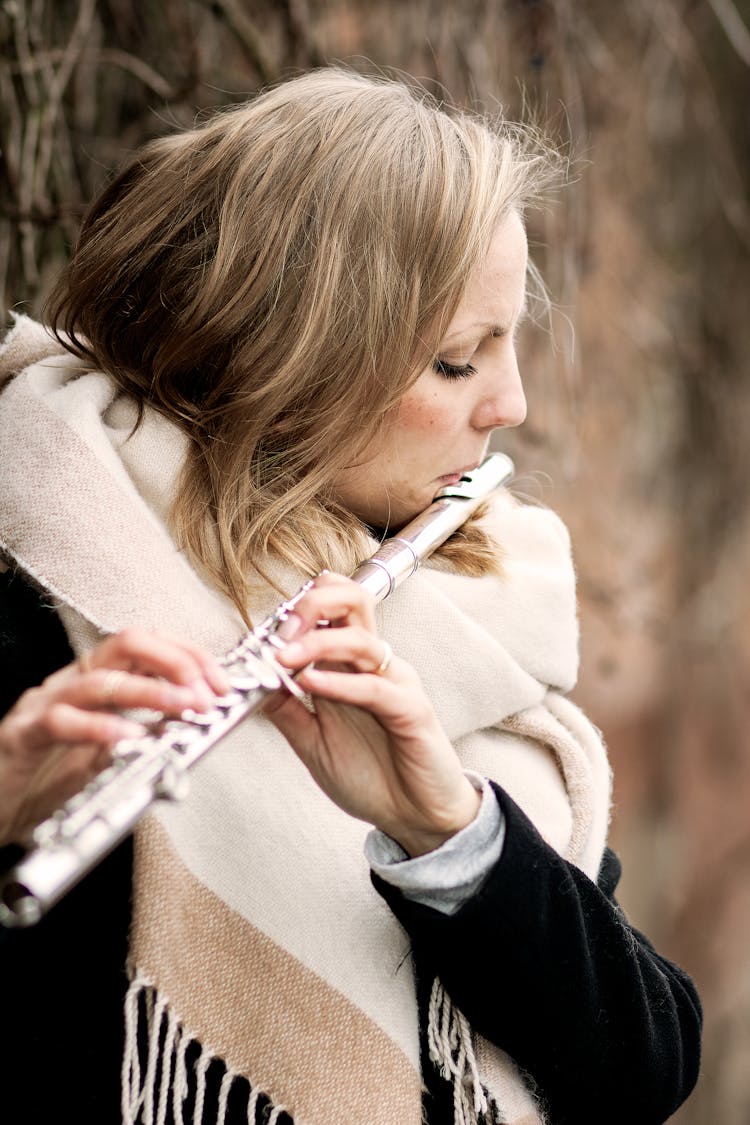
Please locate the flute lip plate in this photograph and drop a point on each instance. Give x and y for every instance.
(495, 470)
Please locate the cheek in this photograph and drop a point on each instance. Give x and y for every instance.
(422, 414)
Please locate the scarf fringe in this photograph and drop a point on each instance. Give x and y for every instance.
(150, 1022)
(452, 1051)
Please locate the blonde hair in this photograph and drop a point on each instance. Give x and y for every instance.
(273, 281)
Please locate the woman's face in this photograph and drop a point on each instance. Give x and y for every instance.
(441, 427)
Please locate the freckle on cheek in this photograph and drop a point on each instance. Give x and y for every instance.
(413, 414)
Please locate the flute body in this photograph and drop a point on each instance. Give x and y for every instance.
(155, 767)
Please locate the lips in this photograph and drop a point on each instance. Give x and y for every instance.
(458, 473)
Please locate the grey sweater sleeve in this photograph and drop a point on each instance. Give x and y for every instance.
(446, 878)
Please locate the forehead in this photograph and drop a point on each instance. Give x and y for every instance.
(495, 292)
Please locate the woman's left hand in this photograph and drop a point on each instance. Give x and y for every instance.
(374, 744)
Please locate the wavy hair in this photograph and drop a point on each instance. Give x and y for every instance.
(273, 281)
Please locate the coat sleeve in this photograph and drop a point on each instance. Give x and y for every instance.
(543, 962)
(33, 644)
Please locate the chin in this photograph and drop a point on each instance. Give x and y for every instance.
(390, 520)
(409, 509)
(398, 510)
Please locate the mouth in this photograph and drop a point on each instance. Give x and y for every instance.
(457, 474)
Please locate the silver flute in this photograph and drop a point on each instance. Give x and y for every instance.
(154, 767)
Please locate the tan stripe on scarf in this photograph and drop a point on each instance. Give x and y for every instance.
(258, 1022)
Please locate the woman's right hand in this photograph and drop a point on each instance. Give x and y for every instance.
(373, 742)
(59, 735)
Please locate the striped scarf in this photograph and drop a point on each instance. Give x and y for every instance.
(258, 942)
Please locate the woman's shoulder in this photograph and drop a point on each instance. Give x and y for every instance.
(26, 343)
(36, 366)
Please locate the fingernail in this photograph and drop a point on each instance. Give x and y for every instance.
(222, 681)
(179, 697)
(130, 730)
(289, 627)
(202, 693)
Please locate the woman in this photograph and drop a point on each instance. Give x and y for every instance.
(280, 335)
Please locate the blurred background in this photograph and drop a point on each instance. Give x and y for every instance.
(638, 383)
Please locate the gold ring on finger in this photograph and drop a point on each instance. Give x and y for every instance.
(384, 664)
(84, 661)
(110, 684)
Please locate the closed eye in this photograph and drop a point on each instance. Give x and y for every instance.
(453, 370)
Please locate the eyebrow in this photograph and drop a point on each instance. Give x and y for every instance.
(489, 325)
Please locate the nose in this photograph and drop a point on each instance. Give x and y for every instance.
(502, 401)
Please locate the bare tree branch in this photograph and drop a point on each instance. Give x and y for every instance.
(55, 90)
(734, 27)
(137, 67)
(247, 33)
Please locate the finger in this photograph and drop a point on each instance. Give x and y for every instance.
(331, 598)
(61, 722)
(216, 677)
(120, 690)
(398, 706)
(142, 651)
(364, 650)
(134, 648)
(212, 671)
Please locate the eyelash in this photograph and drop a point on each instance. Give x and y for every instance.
(452, 370)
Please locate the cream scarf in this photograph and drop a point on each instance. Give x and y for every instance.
(256, 930)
